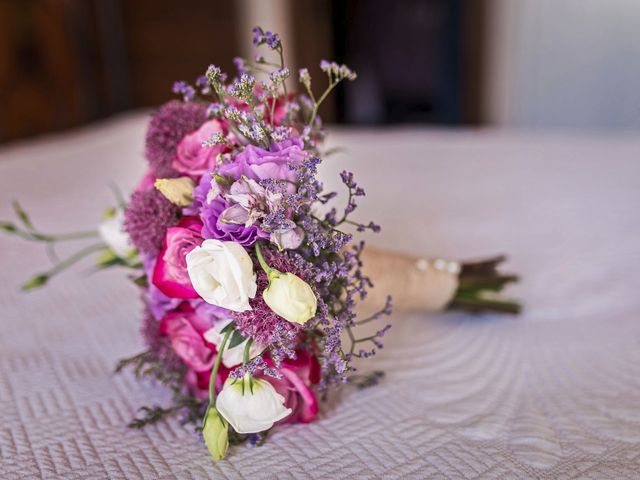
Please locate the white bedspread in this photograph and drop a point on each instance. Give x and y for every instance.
(554, 393)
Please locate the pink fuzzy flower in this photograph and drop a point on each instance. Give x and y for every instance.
(170, 274)
(192, 158)
(167, 128)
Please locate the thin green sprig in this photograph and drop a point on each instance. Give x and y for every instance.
(41, 279)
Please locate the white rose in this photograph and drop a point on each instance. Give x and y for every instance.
(290, 297)
(112, 232)
(251, 405)
(222, 274)
(231, 356)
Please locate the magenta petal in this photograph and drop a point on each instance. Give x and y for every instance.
(170, 272)
(308, 409)
(168, 285)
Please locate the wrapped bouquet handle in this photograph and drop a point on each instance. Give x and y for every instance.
(420, 284)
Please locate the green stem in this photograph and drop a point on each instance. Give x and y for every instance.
(214, 371)
(479, 305)
(263, 263)
(79, 255)
(245, 354)
(40, 279)
(43, 237)
(273, 108)
(353, 340)
(284, 84)
(316, 105)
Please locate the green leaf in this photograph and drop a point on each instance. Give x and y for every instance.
(141, 281)
(236, 339)
(109, 213)
(8, 227)
(36, 281)
(22, 215)
(108, 258)
(230, 326)
(222, 181)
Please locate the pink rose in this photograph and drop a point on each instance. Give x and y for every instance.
(194, 159)
(259, 164)
(185, 331)
(299, 375)
(170, 273)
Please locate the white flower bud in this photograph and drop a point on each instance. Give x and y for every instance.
(216, 435)
(290, 297)
(112, 232)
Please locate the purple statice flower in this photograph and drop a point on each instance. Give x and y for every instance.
(214, 227)
(279, 76)
(243, 87)
(272, 40)
(184, 89)
(203, 84)
(281, 133)
(254, 366)
(147, 218)
(167, 128)
(215, 109)
(258, 35)
(261, 37)
(240, 65)
(214, 74)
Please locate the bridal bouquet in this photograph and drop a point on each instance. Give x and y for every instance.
(249, 276)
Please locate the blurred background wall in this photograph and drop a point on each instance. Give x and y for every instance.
(523, 63)
(563, 64)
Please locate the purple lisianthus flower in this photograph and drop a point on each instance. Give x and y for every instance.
(199, 196)
(260, 164)
(213, 313)
(250, 203)
(215, 228)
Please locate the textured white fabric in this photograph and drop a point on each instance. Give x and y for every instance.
(554, 393)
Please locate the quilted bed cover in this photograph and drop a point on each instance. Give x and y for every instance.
(554, 393)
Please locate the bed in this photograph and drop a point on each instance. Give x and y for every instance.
(553, 393)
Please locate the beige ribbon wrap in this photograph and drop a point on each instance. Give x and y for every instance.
(415, 283)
